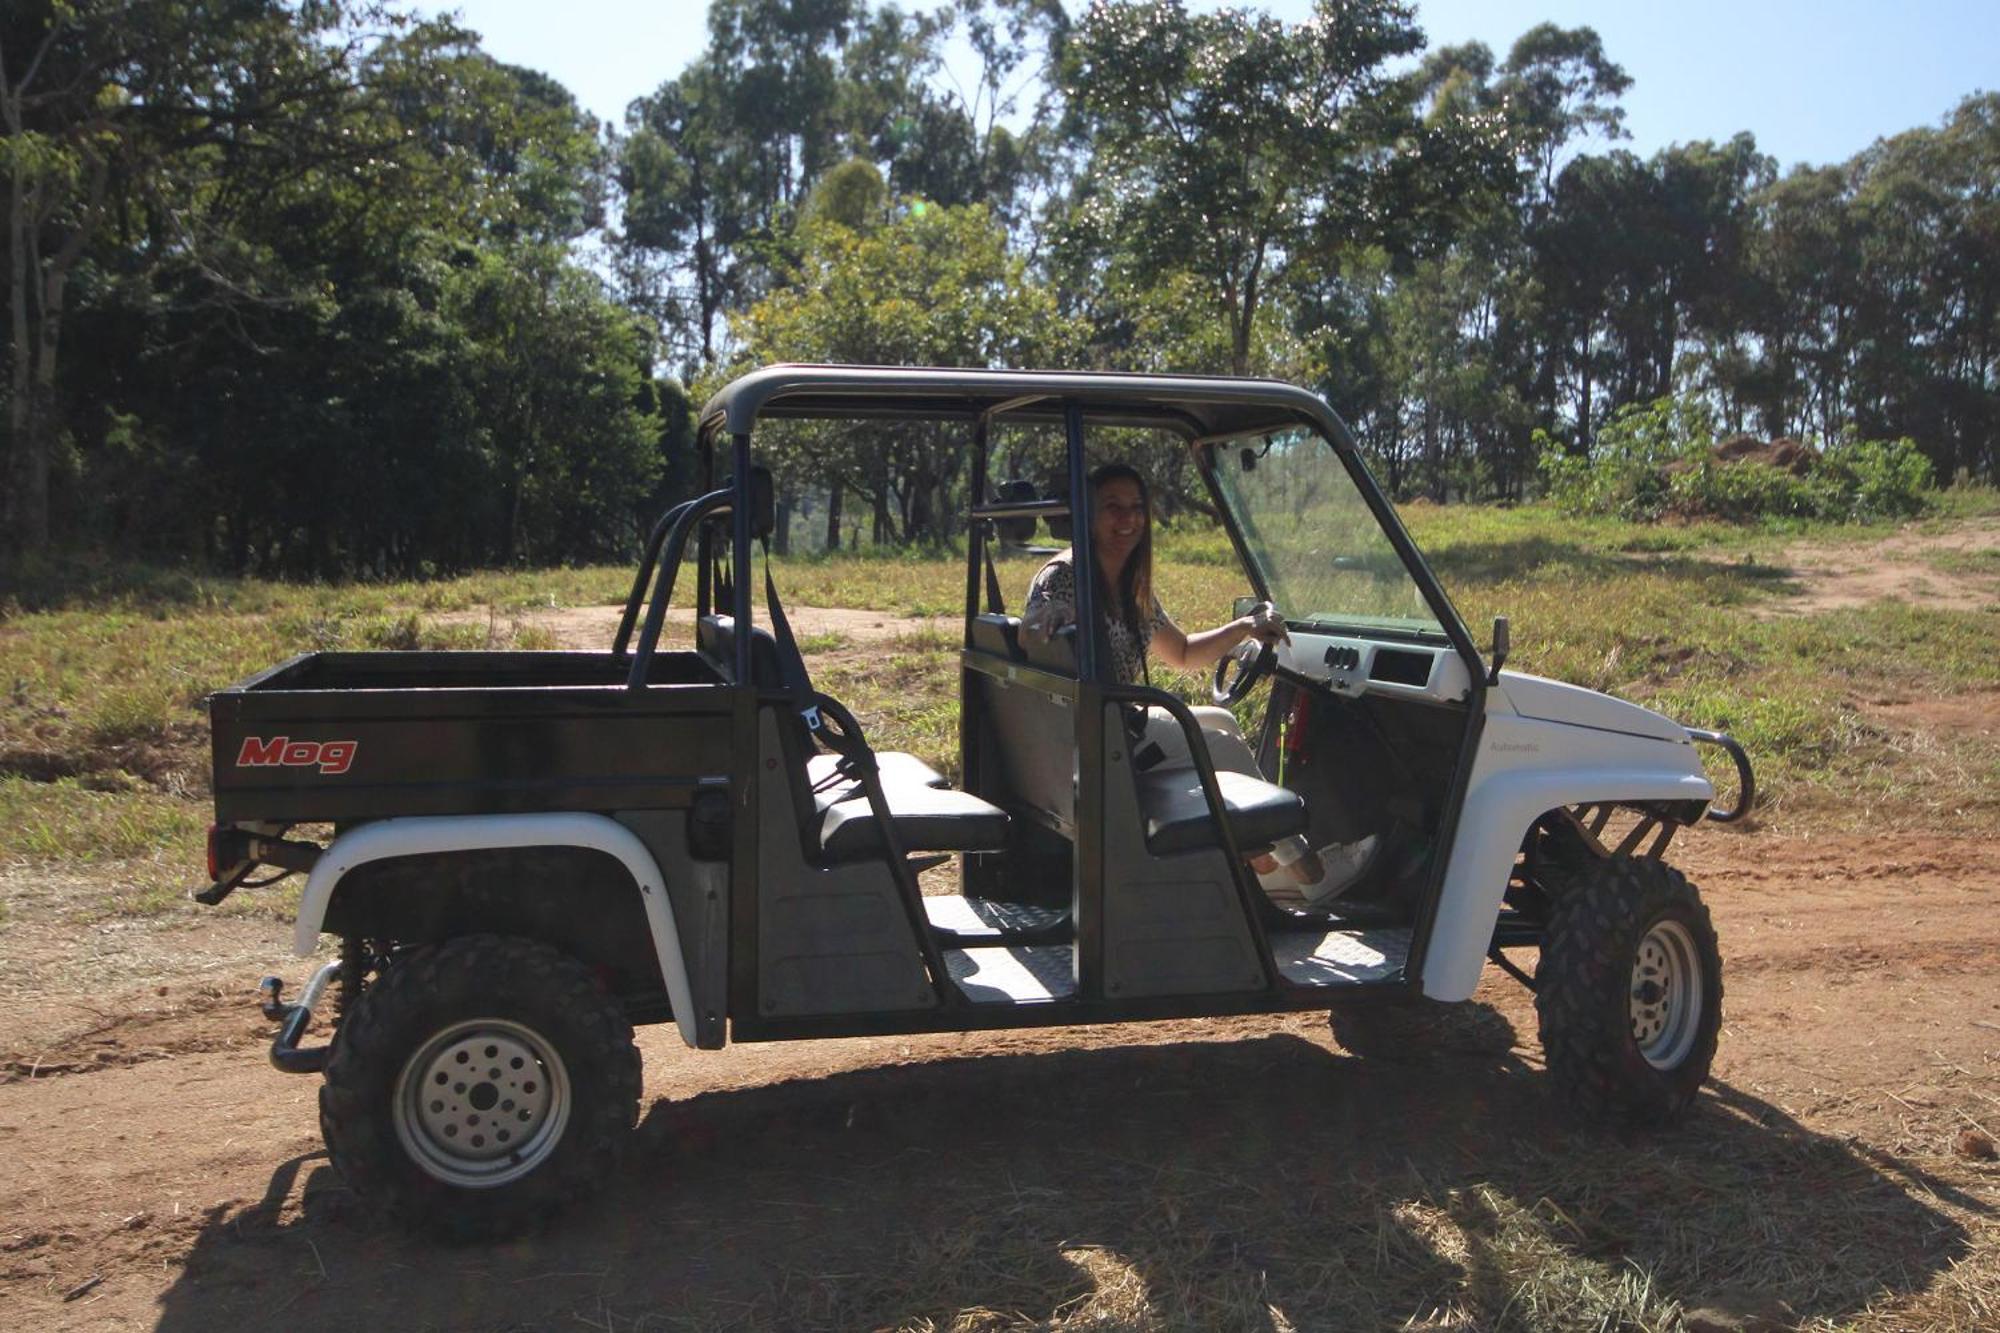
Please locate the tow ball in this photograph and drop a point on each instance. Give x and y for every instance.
(287, 1055)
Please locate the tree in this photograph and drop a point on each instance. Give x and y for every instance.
(931, 286)
(1558, 85)
(103, 102)
(1225, 145)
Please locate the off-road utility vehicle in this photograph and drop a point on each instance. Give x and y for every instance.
(533, 851)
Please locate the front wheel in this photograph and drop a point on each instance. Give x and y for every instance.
(1629, 991)
(479, 1086)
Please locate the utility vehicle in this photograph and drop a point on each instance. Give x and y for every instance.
(530, 852)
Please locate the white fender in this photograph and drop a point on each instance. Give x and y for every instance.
(464, 833)
(1526, 767)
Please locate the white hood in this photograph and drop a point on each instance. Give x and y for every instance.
(1553, 701)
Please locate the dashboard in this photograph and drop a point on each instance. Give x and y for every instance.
(1355, 667)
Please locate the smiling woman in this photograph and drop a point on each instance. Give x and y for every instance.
(1135, 622)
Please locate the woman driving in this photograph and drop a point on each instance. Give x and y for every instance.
(1121, 536)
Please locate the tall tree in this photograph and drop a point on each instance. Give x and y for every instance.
(1558, 86)
(1225, 144)
(104, 101)
(931, 286)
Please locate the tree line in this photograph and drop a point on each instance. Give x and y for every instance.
(314, 287)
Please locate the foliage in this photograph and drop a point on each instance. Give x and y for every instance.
(309, 320)
(297, 288)
(1656, 459)
(929, 286)
(1224, 146)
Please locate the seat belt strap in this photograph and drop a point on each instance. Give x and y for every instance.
(791, 663)
(995, 604)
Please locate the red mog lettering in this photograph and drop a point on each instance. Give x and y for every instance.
(284, 752)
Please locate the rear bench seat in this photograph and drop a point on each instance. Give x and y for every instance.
(930, 816)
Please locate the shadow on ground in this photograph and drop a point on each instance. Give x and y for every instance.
(1264, 1183)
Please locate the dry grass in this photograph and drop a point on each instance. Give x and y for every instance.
(1267, 1184)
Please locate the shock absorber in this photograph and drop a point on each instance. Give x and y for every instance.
(355, 960)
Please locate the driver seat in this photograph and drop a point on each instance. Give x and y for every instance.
(1177, 817)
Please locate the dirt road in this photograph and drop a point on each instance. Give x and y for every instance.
(1224, 1173)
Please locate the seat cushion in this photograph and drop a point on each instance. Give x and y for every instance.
(1177, 819)
(928, 819)
(896, 766)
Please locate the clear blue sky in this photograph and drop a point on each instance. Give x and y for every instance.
(1815, 80)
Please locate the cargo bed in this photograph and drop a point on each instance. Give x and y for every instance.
(353, 736)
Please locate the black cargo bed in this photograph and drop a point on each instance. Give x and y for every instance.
(350, 736)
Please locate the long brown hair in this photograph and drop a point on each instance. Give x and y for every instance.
(1134, 602)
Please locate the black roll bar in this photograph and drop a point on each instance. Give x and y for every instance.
(636, 598)
(689, 515)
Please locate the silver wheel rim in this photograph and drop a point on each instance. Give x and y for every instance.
(482, 1103)
(1666, 995)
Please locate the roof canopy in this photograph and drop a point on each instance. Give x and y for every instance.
(1194, 405)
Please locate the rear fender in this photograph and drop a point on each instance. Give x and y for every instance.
(392, 838)
(1525, 768)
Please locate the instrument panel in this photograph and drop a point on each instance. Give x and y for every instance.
(1355, 667)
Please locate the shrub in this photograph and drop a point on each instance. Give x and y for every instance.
(1655, 459)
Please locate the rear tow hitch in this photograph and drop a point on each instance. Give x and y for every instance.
(286, 1054)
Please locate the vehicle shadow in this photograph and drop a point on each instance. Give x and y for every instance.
(1258, 1183)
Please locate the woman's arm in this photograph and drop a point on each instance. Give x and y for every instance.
(1192, 652)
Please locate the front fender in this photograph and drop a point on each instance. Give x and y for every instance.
(463, 833)
(1526, 767)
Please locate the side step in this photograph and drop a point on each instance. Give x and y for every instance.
(1341, 957)
(972, 923)
(1019, 975)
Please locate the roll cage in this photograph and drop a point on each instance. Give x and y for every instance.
(1199, 408)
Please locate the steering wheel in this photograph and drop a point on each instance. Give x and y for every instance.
(1253, 661)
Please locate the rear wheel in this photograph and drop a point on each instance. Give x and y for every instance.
(1629, 991)
(479, 1086)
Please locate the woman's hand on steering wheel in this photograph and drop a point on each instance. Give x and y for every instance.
(1254, 657)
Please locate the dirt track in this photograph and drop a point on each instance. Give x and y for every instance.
(1037, 1174)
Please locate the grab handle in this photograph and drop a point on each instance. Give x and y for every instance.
(1746, 781)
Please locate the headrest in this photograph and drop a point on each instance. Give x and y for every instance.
(1015, 530)
(1060, 525)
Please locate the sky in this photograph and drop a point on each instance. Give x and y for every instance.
(1815, 80)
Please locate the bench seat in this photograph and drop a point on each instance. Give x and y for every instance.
(928, 818)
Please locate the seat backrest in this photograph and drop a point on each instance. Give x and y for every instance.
(1056, 654)
(715, 636)
(998, 635)
(1028, 741)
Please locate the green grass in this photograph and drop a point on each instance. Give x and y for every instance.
(63, 820)
(104, 689)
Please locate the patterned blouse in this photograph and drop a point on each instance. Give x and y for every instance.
(1052, 605)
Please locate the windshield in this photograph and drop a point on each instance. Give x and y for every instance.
(1321, 551)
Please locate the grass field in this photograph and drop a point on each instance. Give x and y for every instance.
(102, 737)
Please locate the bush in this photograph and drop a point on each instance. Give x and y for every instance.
(1655, 459)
